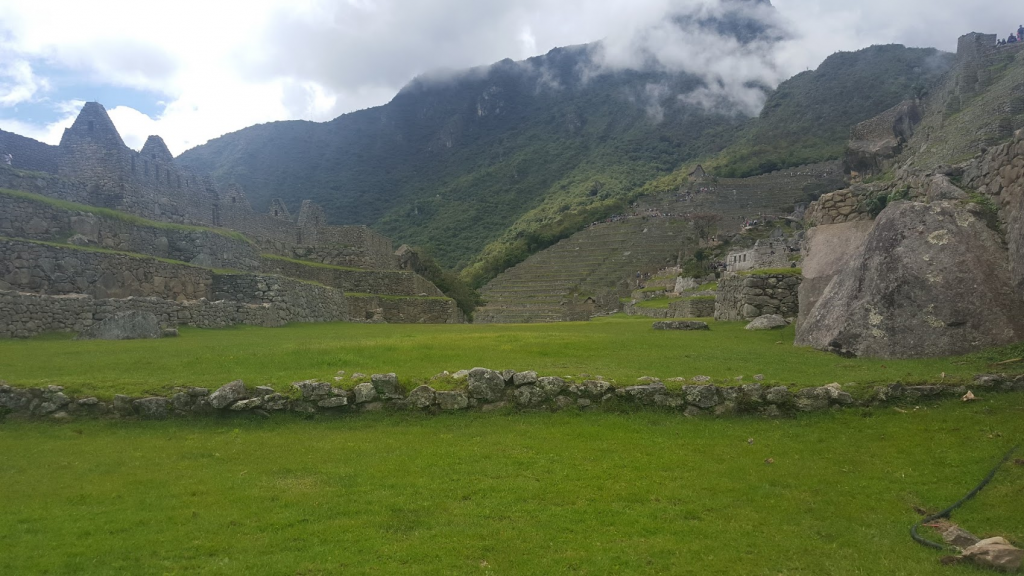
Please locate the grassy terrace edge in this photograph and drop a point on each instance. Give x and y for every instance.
(123, 216)
(620, 349)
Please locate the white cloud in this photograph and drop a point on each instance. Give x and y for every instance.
(221, 65)
(18, 83)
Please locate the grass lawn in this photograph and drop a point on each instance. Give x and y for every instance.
(493, 494)
(620, 348)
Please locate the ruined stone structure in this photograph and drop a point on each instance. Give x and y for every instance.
(749, 296)
(766, 253)
(98, 228)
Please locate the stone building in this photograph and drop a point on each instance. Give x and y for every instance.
(63, 267)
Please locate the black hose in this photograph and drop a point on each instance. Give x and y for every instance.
(945, 513)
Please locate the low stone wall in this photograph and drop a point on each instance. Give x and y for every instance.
(50, 269)
(401, 310)
(693, 308)
(296, 301)
(842, 206)
(36, 220)
(745, 297)
(632, 309)
(382, 282)
(485, 391)
(25, 315)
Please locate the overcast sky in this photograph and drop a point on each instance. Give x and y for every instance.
(191, 70)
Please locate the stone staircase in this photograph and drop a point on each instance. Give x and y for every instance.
(601, 258)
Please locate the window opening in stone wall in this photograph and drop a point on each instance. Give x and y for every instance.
(232, 199)
(275, 212)
(145, 167)
(91, 125)
(152, 155)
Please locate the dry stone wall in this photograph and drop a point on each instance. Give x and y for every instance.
(697, 307)
(35, 220)
(403, 310)
(485, 391)
(50, 269)
(382, 282)
(745, 297)
(24, 315)
(849, 205)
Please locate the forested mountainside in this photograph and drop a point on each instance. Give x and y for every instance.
(483, 167)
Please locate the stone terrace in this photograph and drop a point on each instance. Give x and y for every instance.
(600, 258)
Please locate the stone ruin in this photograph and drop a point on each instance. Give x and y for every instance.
(177, 246)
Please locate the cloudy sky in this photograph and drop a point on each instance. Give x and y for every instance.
(191, 70)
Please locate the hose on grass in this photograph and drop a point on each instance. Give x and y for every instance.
(946, 513)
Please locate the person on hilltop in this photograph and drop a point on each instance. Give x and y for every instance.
(1020, 32)
(1012, 39)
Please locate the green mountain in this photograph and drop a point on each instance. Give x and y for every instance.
(484, 167)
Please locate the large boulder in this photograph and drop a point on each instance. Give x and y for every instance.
(827, 251)
(931, 280)
(131, 325)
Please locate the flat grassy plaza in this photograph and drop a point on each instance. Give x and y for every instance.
(565, 493)
(619, 348)
(636, 492)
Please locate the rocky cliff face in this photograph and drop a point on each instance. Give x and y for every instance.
(931, 280)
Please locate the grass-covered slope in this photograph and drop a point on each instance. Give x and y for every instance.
(518, 155)
(525, 494)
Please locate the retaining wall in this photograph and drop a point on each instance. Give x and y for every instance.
(49, 269)
(382, 282)
(745, 297)
(25, 315)
(37, 220)
(399, 310)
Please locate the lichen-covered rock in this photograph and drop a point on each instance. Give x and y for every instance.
(152, 408)
(778, 395)
(333, 402)
(524, 378)
(704, 396)
(681, 325)
(486, 385)
(131, 325)
(551, 386)
(644, 393)
(529, 395)
(769, 322)
(931, 280)
(452, 400)
(227, 394)
(250, 404)
(365, 393)
(312, 389)
(387, 386)
(422, 397)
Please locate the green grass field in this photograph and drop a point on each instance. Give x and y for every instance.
(491, 494)
(618, 348)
